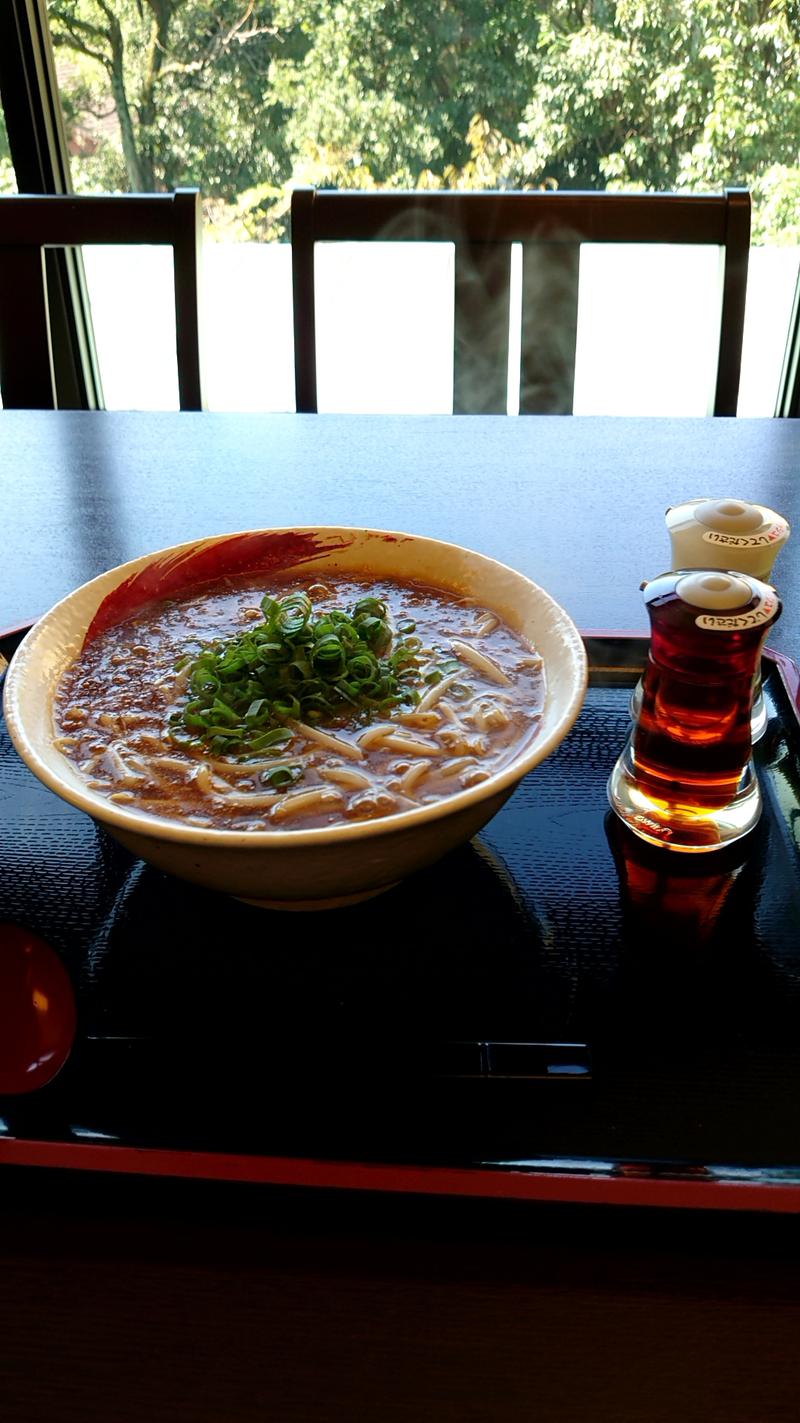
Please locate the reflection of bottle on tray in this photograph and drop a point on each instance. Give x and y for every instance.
(685, 778)
(690, 960)
(674, 902)
(732, 535)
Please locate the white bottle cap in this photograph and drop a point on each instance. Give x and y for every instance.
(726, 533)
(714, 591)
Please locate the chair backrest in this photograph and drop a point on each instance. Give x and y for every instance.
(29, 225)
(550, 226)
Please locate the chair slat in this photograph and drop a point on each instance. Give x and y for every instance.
(551, 227)
(26, 366)
(304, 301)
(186, 237)
(549, 328)
(734, 258)
(481, 328)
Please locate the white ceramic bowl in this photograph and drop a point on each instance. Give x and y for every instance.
(295, 868)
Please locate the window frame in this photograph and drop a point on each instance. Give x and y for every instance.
(38, 145)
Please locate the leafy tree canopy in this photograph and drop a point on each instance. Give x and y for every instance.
(387, 90)
(166, 93)
(247, 97)
(669, 94)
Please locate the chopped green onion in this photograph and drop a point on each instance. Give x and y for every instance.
(279, 777)
(327, 666)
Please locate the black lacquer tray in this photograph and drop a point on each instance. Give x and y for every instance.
(554, 1011)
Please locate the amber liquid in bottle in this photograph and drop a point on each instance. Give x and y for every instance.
(686, 777)
(694, 722)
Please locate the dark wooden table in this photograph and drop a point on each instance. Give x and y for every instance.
(577, 504)
(131, 1299)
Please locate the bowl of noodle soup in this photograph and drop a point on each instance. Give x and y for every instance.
(297, 717)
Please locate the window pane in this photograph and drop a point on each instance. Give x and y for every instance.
(247, 326)
(133, 314)
(385, 327)
(246, 100)
(648, 319)
(771, 279)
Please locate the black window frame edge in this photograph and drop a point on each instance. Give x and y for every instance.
(37, 142)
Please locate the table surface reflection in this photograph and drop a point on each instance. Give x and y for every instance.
(575, 503)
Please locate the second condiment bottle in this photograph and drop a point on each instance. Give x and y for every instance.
(685, 778)
(730, 534)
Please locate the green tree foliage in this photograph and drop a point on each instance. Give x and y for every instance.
(664, 94)
(611, 102)
(247, 97)
(188, 85)
(386, 90)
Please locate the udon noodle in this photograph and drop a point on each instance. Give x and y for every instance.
(473, 693)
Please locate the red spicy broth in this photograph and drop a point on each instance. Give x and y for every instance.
(478, 689)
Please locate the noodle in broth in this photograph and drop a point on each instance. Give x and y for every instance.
(471, 698)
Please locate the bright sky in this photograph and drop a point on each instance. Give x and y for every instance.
(385, 328)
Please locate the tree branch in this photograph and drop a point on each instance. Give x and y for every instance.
(71, 41)
(234, 30)
(72, 24)
(109, 14)
(219, 42)
(100, 114)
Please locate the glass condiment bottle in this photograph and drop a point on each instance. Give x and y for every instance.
(685, 778)
(726, 533)
(733, 535)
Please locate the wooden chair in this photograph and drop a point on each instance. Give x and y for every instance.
(550, 226)
(31, 225)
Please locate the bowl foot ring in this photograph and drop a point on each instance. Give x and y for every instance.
(337, 902)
